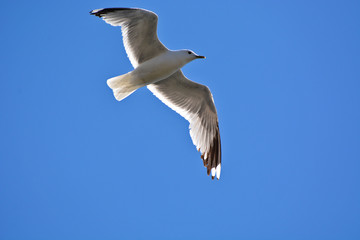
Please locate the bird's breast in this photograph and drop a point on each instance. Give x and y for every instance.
(156, 69)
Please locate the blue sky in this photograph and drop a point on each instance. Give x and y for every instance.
(77, 164)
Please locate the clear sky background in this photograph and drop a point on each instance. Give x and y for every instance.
(77, 164)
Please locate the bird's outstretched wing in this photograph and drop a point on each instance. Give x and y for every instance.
(138, 28)
(195, 103)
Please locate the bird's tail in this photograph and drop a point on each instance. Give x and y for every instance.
(122, 86)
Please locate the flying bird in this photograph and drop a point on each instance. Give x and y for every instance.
(159, 69)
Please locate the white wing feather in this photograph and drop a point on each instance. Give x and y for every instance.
(195, 103)
(139, 30)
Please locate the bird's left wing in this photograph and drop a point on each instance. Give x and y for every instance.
(195, 103)
(139, 30)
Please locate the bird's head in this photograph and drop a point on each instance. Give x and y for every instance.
(190, 55)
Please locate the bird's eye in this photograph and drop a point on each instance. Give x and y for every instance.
(189, 52)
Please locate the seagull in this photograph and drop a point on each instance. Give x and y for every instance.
(159, 68)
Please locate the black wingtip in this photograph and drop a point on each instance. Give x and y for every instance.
(93, 13)
(97, 12)
(100, 12)
(213, 155)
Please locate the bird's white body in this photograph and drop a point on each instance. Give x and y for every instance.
(159, 67)
(151, 71)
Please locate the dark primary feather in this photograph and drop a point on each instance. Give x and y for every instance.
(107, 10)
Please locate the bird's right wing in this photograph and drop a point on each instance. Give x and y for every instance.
(195, 103)
(139, 30)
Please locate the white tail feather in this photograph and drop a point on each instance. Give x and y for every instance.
(122, 86)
